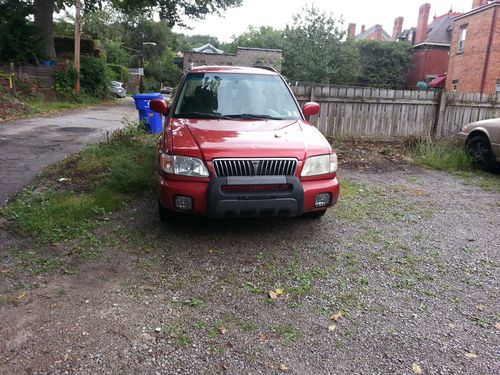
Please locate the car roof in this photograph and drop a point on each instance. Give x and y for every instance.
(231, 69)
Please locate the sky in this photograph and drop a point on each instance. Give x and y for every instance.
(278, 13)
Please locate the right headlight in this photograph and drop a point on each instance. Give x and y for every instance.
(183, 165)
(318, 165)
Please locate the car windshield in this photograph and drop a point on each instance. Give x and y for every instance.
(232, 95)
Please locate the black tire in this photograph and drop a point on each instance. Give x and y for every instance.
(314, 214)
(480, 150)
(164, 214)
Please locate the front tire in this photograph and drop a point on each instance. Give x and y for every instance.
(480, 150)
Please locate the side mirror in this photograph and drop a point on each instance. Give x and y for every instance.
(310, 109)
(159, 106)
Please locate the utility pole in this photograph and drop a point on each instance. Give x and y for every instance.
(78, 25)
(141, 76)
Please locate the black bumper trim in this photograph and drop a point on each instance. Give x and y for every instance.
(254, 203)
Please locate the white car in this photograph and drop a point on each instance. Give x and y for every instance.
(117, 89)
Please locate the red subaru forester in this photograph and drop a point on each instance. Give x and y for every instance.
(236, 144)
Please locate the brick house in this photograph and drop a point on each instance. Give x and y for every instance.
(243, 57)
(474, 64)
(431, 46)
(375, 32)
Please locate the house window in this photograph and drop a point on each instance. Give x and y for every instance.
(461, 41)
(498, 87)
(454, 84)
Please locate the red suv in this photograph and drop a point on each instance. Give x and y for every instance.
(236, 144)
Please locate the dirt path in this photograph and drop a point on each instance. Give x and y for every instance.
(27, 146)
(409, 258)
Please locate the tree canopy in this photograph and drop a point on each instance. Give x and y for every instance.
(257, 37)
(314, 50)
(383, 64)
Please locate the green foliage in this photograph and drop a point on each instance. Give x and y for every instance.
(118, 72)
(262, 37)
(187, 42)
(116, 54)
(19, 38)
(108, 173)
(95, 77)
(383, 64)
(164, 70)
(64, 82)
(314, 50)
(441, 154)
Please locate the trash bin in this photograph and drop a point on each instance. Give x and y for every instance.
(152, 120)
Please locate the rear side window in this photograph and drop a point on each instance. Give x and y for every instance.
(231, 94)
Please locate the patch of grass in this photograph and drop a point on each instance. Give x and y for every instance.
(442, 155)
(33, 263)
(101, 179)
(193, 302)
(288, 333)
(38, 106)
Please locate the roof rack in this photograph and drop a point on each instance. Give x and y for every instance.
(265, 67)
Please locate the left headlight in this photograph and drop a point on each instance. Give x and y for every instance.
(183, 165)
(322, 164)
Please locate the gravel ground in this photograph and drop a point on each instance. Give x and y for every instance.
(400, 278)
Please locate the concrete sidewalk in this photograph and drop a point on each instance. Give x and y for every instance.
(27, 146)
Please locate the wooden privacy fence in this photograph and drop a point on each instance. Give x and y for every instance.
(388, 114)
(42, 75)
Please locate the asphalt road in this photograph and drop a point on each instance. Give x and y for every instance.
(27, 146)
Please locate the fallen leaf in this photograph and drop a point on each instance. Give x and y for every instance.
(66, 357)
(263, 336)
(222, 330)
(416, 369)
(148, 250)
(22, 295)
(279, 291)
(332, 327)
(210, 251)
(283, 367)
(273, 294)
(471, 355)
(480, 308)
(497, 326)
(336, 316)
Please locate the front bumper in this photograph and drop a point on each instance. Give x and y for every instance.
(212, 200)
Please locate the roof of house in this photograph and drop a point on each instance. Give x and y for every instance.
(440, 29)
(371, 30)
(208, 48)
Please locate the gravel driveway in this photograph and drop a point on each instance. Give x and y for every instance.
(400, 278)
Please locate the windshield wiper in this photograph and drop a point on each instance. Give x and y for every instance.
(200, 115)
(252, 116)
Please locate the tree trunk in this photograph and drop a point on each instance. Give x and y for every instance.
(44, 11)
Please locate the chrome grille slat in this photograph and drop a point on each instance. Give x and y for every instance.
(247, 167)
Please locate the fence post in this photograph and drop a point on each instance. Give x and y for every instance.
(440, 111)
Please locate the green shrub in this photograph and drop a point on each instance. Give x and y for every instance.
(118, 72)
(441, 154)
(95, 77)
(64, 82)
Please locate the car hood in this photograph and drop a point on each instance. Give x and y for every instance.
(228, 138)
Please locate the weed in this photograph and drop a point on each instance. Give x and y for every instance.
(482, 322)
(193, 302)
(288, 333)
(442, 155)
(405, 284)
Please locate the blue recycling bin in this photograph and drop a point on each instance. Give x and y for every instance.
(152, 120)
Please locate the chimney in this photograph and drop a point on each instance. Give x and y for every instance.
(423, 21)
(363, 28)
(351, 31)
(398, 27)
(379, 33)
(479, 3)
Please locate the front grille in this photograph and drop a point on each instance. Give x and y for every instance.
(255, 167)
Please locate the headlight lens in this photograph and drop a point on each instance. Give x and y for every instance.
(317, 165)
(183, 165)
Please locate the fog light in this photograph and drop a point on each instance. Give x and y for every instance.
(182, 202)
(322, 200)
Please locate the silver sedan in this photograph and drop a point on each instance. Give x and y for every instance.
(482, 139)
